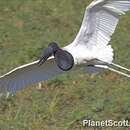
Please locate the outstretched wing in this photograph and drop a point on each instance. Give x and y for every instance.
(100, 21)
(28, 74)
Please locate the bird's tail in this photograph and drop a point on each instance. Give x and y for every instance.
(104, 53)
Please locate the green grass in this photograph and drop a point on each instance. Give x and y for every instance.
(26, 27)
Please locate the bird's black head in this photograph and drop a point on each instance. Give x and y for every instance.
(64, 59)
(54, 46)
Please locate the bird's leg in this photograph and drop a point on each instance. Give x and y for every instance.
(95, 62)
(113, 70)
(120, 67)
(119, 72)
(105, 65)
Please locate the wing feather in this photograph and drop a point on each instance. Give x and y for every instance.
(100, 21)
(28, 74)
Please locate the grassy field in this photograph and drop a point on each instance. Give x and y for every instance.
(26, 28)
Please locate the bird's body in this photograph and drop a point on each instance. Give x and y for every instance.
(82, 54)
(90, 49)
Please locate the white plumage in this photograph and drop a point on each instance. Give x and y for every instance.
(91, 46)
(99, 23)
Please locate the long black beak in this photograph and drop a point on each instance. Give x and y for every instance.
(47, 53)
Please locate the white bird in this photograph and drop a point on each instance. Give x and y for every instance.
(90, 49)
